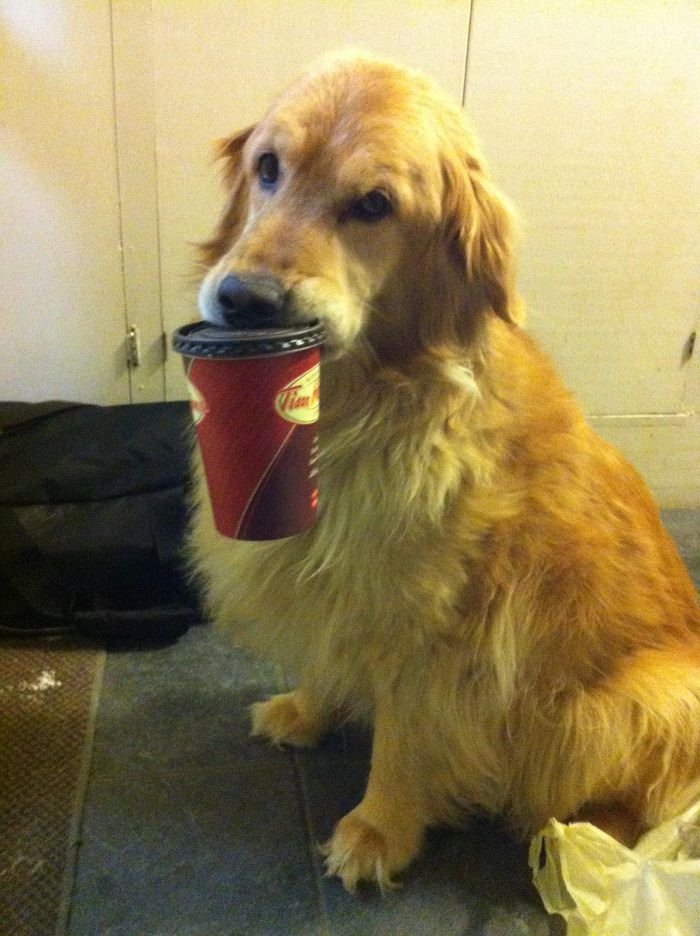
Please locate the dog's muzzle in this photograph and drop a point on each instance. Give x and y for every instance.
(254, 301)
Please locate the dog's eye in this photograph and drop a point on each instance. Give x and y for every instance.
(268, 170)
(371, 207)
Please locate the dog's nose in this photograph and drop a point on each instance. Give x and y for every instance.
(251, 301)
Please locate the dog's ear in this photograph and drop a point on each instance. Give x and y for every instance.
(230, 150)
(479, 229)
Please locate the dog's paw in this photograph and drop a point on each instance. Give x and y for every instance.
(358, 851)
(286, 719)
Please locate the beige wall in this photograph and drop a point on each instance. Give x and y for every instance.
(590, 116)
(587, 112)
(593, 127)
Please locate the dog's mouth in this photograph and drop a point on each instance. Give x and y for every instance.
(263, 303)
(253, 302)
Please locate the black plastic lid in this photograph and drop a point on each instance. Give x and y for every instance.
(202, 340)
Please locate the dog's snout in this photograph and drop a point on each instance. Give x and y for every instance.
(251, 301)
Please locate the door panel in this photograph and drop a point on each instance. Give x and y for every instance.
(61, 286)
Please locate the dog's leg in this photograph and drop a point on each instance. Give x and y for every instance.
(383, 834)
(289, 718)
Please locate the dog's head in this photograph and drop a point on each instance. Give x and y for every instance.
(359, 200)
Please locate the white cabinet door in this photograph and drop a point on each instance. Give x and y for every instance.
(110, 112)
(61, 286)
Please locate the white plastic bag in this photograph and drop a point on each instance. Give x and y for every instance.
(602, 888)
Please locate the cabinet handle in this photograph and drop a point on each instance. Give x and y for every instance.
(133, 346)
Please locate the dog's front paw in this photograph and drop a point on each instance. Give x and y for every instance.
(358, 851)
(287, 719)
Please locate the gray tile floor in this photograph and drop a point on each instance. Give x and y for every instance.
(191, 828)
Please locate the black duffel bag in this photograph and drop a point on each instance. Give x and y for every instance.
(92, 518)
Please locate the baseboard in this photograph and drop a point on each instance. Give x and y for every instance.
(665, 449)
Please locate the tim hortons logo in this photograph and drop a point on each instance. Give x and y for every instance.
(297, 401)
(198, 405)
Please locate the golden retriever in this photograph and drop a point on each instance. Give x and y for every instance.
(488, 582)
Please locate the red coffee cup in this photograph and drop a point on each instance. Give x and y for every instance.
(255, 399)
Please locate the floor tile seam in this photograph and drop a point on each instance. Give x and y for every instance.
(80, 800)
(310, 838)
(312, 847)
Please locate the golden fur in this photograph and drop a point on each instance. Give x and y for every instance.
(488, 582)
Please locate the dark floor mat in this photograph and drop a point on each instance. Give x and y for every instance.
(48, 696)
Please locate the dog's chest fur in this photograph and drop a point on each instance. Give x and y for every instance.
(371, 591)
